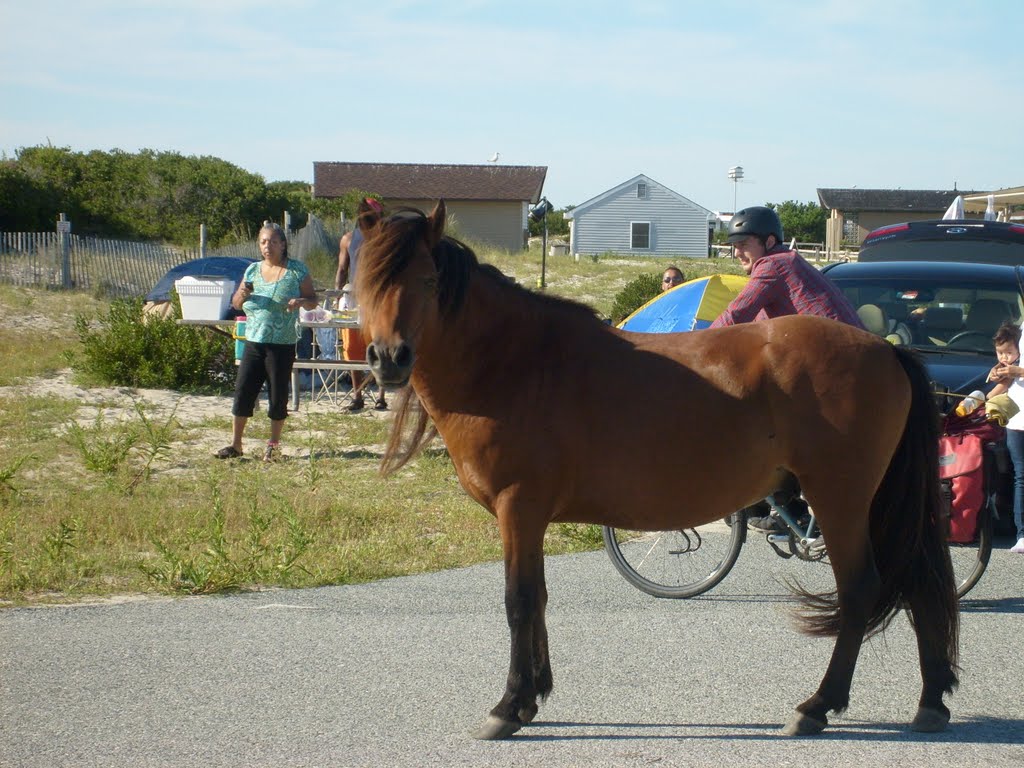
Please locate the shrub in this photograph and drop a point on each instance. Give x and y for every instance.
(635, 294)
(123, 350)
(323, 266)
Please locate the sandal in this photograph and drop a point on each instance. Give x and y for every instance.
(272, 452)
(380, 405)
(357, 404)
(228, 452)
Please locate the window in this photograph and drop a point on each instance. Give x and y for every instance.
(641, 190)
(640, 234)
(851, 228)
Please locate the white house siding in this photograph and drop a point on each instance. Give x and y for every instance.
(679, 227)
(500, 224)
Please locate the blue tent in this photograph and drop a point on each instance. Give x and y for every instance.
(232, 267)
(693, 305)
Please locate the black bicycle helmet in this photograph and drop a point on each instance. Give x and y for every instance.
(758, 221)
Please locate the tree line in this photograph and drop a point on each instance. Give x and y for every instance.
(803, 222)
(150, 195)
(165, 196)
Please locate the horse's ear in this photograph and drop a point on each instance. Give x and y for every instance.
(436, 220)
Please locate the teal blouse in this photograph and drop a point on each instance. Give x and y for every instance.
(267, 320)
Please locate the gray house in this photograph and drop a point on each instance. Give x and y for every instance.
(487, 203)
(640, 217)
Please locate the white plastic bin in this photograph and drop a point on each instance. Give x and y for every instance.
(204, 298)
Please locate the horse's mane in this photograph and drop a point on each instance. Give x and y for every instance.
(455, 262)
(393, 245)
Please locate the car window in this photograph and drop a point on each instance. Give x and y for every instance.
(978, 251)
(930, 315)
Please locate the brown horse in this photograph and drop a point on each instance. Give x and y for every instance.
(525, 391)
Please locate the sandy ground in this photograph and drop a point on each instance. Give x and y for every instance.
(190, 411)
(206, 419)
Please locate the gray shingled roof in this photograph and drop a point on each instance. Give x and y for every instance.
(407, 181)
(888, 199)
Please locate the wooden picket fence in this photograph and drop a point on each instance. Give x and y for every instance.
(121, 268)
(58, 260)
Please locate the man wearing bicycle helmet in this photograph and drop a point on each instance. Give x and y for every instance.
(781, 283)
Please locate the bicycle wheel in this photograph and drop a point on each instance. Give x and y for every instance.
(970, 560)
(677, 564)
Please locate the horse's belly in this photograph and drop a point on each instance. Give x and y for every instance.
(647, 515)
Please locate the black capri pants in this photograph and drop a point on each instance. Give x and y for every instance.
(264, 363)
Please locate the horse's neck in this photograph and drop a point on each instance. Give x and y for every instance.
(462, 360)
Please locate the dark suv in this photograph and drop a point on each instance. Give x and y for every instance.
(966, 240)
(947, 311)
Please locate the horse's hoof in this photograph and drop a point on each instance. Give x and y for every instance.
(495, 728)
(803, 725)
(929, 721)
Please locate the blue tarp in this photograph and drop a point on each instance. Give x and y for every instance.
(232, 267)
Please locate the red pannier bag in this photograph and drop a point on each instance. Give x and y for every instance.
(961, 464)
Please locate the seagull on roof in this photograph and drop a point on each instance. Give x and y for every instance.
(494, 157)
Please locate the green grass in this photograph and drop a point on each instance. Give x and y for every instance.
(110, 496)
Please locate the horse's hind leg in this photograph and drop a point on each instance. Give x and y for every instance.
(857, 587)
(937, 674)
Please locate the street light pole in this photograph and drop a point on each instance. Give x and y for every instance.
(538, 214)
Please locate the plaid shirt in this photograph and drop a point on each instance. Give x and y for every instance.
(784, 283)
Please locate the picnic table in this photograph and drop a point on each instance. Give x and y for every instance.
(325, 365)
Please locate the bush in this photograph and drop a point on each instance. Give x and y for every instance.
(123, 350)
(323, 266)
(634, 295)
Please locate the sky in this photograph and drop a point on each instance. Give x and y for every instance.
(911, 94)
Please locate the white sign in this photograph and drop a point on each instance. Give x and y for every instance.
(64, 226)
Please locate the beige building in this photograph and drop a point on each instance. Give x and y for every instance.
(855, 212)
(486, 203)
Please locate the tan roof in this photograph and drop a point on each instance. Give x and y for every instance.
(408, 181)
(889, 200)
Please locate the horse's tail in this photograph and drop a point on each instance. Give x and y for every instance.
(909, 545)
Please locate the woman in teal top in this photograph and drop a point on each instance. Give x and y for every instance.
(271, 291)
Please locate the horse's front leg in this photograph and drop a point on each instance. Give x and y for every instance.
(529, 673)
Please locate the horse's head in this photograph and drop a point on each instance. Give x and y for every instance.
(397, 288)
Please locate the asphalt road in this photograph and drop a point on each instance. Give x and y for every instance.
(397, 673)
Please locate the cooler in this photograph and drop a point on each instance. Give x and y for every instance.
(204, 298)
(239, 337)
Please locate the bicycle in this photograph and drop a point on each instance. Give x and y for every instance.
(688, 562)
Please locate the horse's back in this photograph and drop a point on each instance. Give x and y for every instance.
(798, 394)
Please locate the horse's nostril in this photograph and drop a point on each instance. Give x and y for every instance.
(403, 356)
(372, 357)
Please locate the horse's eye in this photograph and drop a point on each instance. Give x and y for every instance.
(430, 283)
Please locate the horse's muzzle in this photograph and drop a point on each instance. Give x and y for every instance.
(391, 366)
